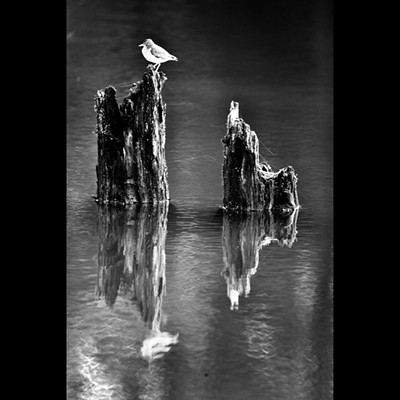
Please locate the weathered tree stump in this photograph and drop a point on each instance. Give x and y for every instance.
(251, 185)
(243, 236)
(131, 143)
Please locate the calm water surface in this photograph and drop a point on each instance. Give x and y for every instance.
(238, 308)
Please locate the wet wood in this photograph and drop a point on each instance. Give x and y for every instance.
(243, 236)
(132, 166)
(248, 184)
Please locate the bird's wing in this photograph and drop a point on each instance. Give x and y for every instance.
(159, 52)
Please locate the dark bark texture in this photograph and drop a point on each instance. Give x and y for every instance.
(132, 166)
(251, 185)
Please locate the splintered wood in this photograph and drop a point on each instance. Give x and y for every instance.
(132, 166)
(251, 185)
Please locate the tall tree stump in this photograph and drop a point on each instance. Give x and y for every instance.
(131, 143)
(251, 185)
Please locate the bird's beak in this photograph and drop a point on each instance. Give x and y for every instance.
(140, 45)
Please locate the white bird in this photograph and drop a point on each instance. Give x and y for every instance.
(155, 54)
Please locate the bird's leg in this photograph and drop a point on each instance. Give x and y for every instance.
(158, 66)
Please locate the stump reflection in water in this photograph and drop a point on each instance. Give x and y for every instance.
(243, 235)
(131, 263)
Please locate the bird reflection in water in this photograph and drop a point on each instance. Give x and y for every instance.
(131, 263)
(243, 236)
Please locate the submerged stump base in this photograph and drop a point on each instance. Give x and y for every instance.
(251, 185)
(131, 143)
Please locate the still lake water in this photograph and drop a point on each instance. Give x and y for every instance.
(273, 337)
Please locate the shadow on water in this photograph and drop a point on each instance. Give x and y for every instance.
(131, 263)
(243, 236)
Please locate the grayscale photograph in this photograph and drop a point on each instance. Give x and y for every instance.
(199, 200)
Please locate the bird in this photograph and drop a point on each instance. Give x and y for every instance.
(155, 54)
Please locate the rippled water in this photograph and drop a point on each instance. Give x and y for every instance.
(249, 301)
